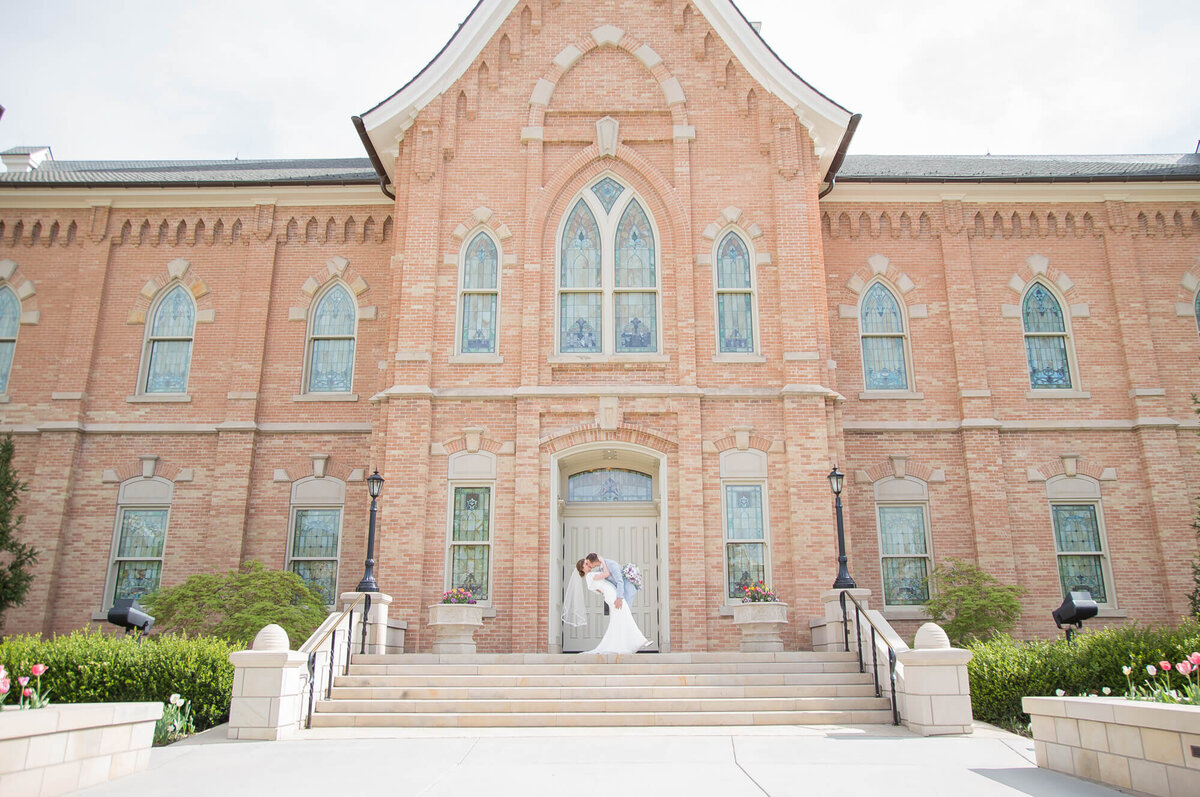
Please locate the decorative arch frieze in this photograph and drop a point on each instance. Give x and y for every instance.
(10, 275)
(177, 271)
(876, 224)
(316, 466)
(337, 268)
(193, 231)
(741, 438)
(880, 268)
(1038, 268)
(42, 231)
(337, 229)
(1070, 465)
(900, 467)
(1167, 223)
(593, 433)
(147, 466)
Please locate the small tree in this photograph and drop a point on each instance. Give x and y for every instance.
(16, 557)
(234, 606)
(971, 604)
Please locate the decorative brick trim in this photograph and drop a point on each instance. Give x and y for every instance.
(900, 467)
(1168, 224)
(177, 271)
(338, 229)
(38, 231)
(1189, 284)
(23, 287)
(1037, 267)
(337, 268)
(196, 231)
(460, 444)
(1059, 467)
(757, 441)
(880, 268)
(132, 469)
(302, 467)
(878, 224)
(592, 433)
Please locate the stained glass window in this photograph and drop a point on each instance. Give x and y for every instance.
(480, 297)
(331, 344)
(1080, 550)
(745, 538)
(581, 249)
(169, 343)
(608, 191)
(470, 540)
(1045, 340)
(882, 329)
(904, 549)
(314, 553)
(10, 320)
(610, 484)
(1197, 310)
(735, 296)
(138, 559)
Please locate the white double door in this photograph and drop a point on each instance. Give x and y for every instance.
(630, 536)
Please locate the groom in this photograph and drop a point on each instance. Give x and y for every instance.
(625, 590)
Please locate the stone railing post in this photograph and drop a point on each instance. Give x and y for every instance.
(377, 621)
(934, 690)
(827, 631)
(267, 684)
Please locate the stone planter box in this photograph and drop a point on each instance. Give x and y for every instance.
(761, 625)
(1152, 748)
(66, 747)
(454, 626)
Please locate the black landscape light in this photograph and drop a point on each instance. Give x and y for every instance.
(1078, 607)
(126, 614)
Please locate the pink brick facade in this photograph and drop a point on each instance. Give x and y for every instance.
(506, 146)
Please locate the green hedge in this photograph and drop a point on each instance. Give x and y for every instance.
(1003, 670)
(94, 667)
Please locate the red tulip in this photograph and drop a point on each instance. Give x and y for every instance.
(28, 691)
(1164, 665)
(37, 670)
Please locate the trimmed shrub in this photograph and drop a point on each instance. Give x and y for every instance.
(234, 606)
(1003, 670)
(970, 603)
(94, 667)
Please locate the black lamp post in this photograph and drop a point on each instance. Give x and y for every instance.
(374, 487)
(843, 580)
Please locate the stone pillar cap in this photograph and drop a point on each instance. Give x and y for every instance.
(931, 636)
(271, 637)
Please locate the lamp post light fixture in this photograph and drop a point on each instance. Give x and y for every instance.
(374, 487)
(843, 580)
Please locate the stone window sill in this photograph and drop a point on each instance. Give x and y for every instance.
(1058, 394)
(4, 398)
(326, 397)
(476, 359)
(904, 395)
(608, 359)
(905, 613)
(1112, 613)
(159, 398)
(739, 358)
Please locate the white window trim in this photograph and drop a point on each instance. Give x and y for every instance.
(885, 504)
(910, 391)
(1103, 553)
(448, 567)
(755, 354)
(1076, 389)
(154, 503)
(325, 499)
(291, 535)
(148, 341)
(309, 338)
(4, 286)
(607, 223)
(726, 541)
(468, 239)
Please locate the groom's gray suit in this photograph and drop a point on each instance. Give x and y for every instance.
(624, 588)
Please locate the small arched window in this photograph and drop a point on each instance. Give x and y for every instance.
(610, 484)
(10, 321)
(331, 342)
(735, 297)
(479, 296)
(1046, 346)
(167, 357)
(881, 327)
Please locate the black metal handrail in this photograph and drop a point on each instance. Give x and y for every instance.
(331, 634)
(859, 611)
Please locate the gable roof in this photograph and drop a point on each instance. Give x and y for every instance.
(829, 124)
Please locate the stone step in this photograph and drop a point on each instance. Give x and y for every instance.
(588, 658)
(608, 668)
(438, 681)
(603, 704)
(601, 719)
(519, 693)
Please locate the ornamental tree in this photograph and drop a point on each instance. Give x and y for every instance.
(16, 557)
(969, 603)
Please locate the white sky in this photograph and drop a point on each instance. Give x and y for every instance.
(153, 79)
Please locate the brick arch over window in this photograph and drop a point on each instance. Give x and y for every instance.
(480, 217)
(1037, 267)
(900, 467)
(177, 271)
(146, 467)
(336, 268)
(606, 36)
(1070, 465)
(757, 442)
(592, 433)
(23, 287)
(316, 465)
(879, 267)
(1187, 297)
(456, 444)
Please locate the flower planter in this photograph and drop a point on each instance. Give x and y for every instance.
(454, 626)
(761, 625)
(1145, 747)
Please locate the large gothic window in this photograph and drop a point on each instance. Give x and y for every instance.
(331, 342)
(10, 321)
(883, 340)
(735, 297)
(167, 356)
(608, 275)
(1046, 340)
(479, 296)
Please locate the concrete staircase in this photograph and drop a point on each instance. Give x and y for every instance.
(560, 690)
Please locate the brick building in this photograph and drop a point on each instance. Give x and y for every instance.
(608, 280)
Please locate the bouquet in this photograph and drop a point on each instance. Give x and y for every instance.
(632, 574)
(758, 593)
(458, 595)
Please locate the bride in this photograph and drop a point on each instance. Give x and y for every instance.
(622, 635)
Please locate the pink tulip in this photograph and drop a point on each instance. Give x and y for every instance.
(1184, 667)
(1164, 666)
(28, 691)
(1194, 659)
(23, 680)
(37, 670)
(4, 684)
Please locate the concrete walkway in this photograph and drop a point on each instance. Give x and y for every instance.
(529, 762)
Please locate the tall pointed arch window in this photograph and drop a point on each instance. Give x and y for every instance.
(331, 342)
(479, 296)
(735, 297)
(1046, 344)
(884, 344)
(10, 321)
(167, 357)
(608, 297)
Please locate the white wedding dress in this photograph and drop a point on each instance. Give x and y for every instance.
(622, 635)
